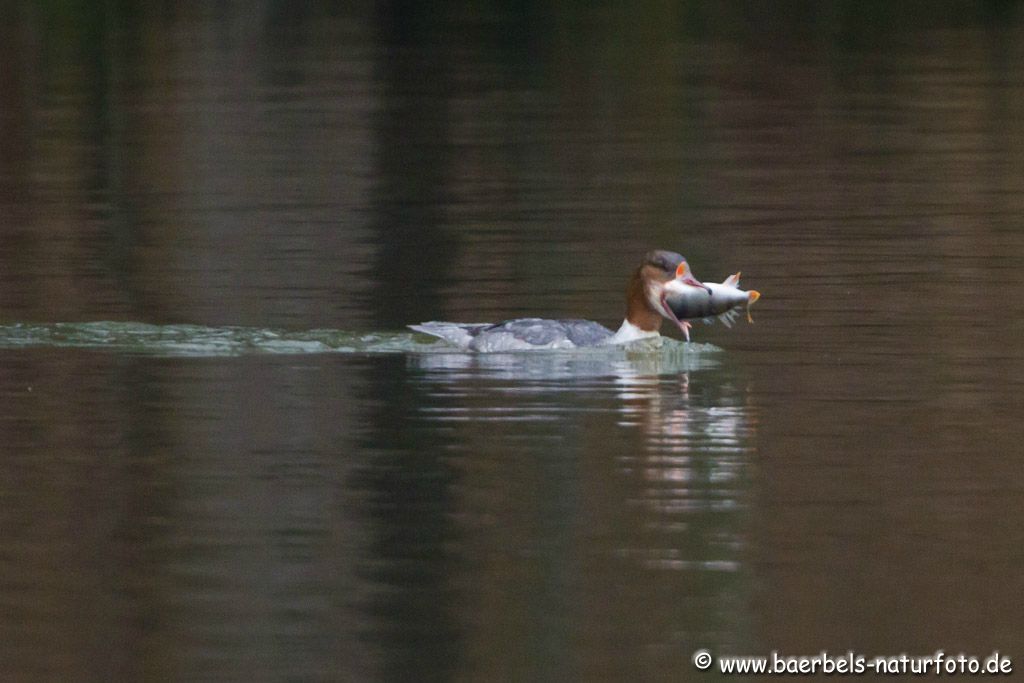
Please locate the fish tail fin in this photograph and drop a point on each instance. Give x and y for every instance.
(752, 296)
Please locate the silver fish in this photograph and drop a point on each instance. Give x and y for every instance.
(721, 300)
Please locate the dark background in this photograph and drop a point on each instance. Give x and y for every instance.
(846, 475)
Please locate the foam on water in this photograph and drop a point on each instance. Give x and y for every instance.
(201, 341)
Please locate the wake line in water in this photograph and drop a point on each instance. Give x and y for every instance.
(201, 341)
(198, 340)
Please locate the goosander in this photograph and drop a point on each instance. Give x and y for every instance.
(646, 305)
(716, 299)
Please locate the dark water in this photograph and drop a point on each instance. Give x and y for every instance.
(845, 474)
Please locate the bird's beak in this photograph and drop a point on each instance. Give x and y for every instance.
(684, 275)
(683, 325)
(694, 282)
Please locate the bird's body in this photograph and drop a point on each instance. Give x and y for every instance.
(522, 334)
(661, 274)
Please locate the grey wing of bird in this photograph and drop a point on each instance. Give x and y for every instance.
(585, 332)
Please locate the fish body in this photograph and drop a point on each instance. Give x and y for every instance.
(721, 300)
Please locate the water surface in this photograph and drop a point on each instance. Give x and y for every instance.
(221, 457)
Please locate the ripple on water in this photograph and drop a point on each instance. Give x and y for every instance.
(433, 356)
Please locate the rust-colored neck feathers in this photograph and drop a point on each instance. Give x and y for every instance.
(638, 308)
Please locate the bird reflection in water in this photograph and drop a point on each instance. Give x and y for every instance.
(585, 468)
(691, 475)
(689, 472)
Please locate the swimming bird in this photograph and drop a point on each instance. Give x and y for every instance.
(645, 308)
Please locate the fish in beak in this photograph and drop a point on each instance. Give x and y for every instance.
(683, 325)
(708, 301)
(683, 280)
